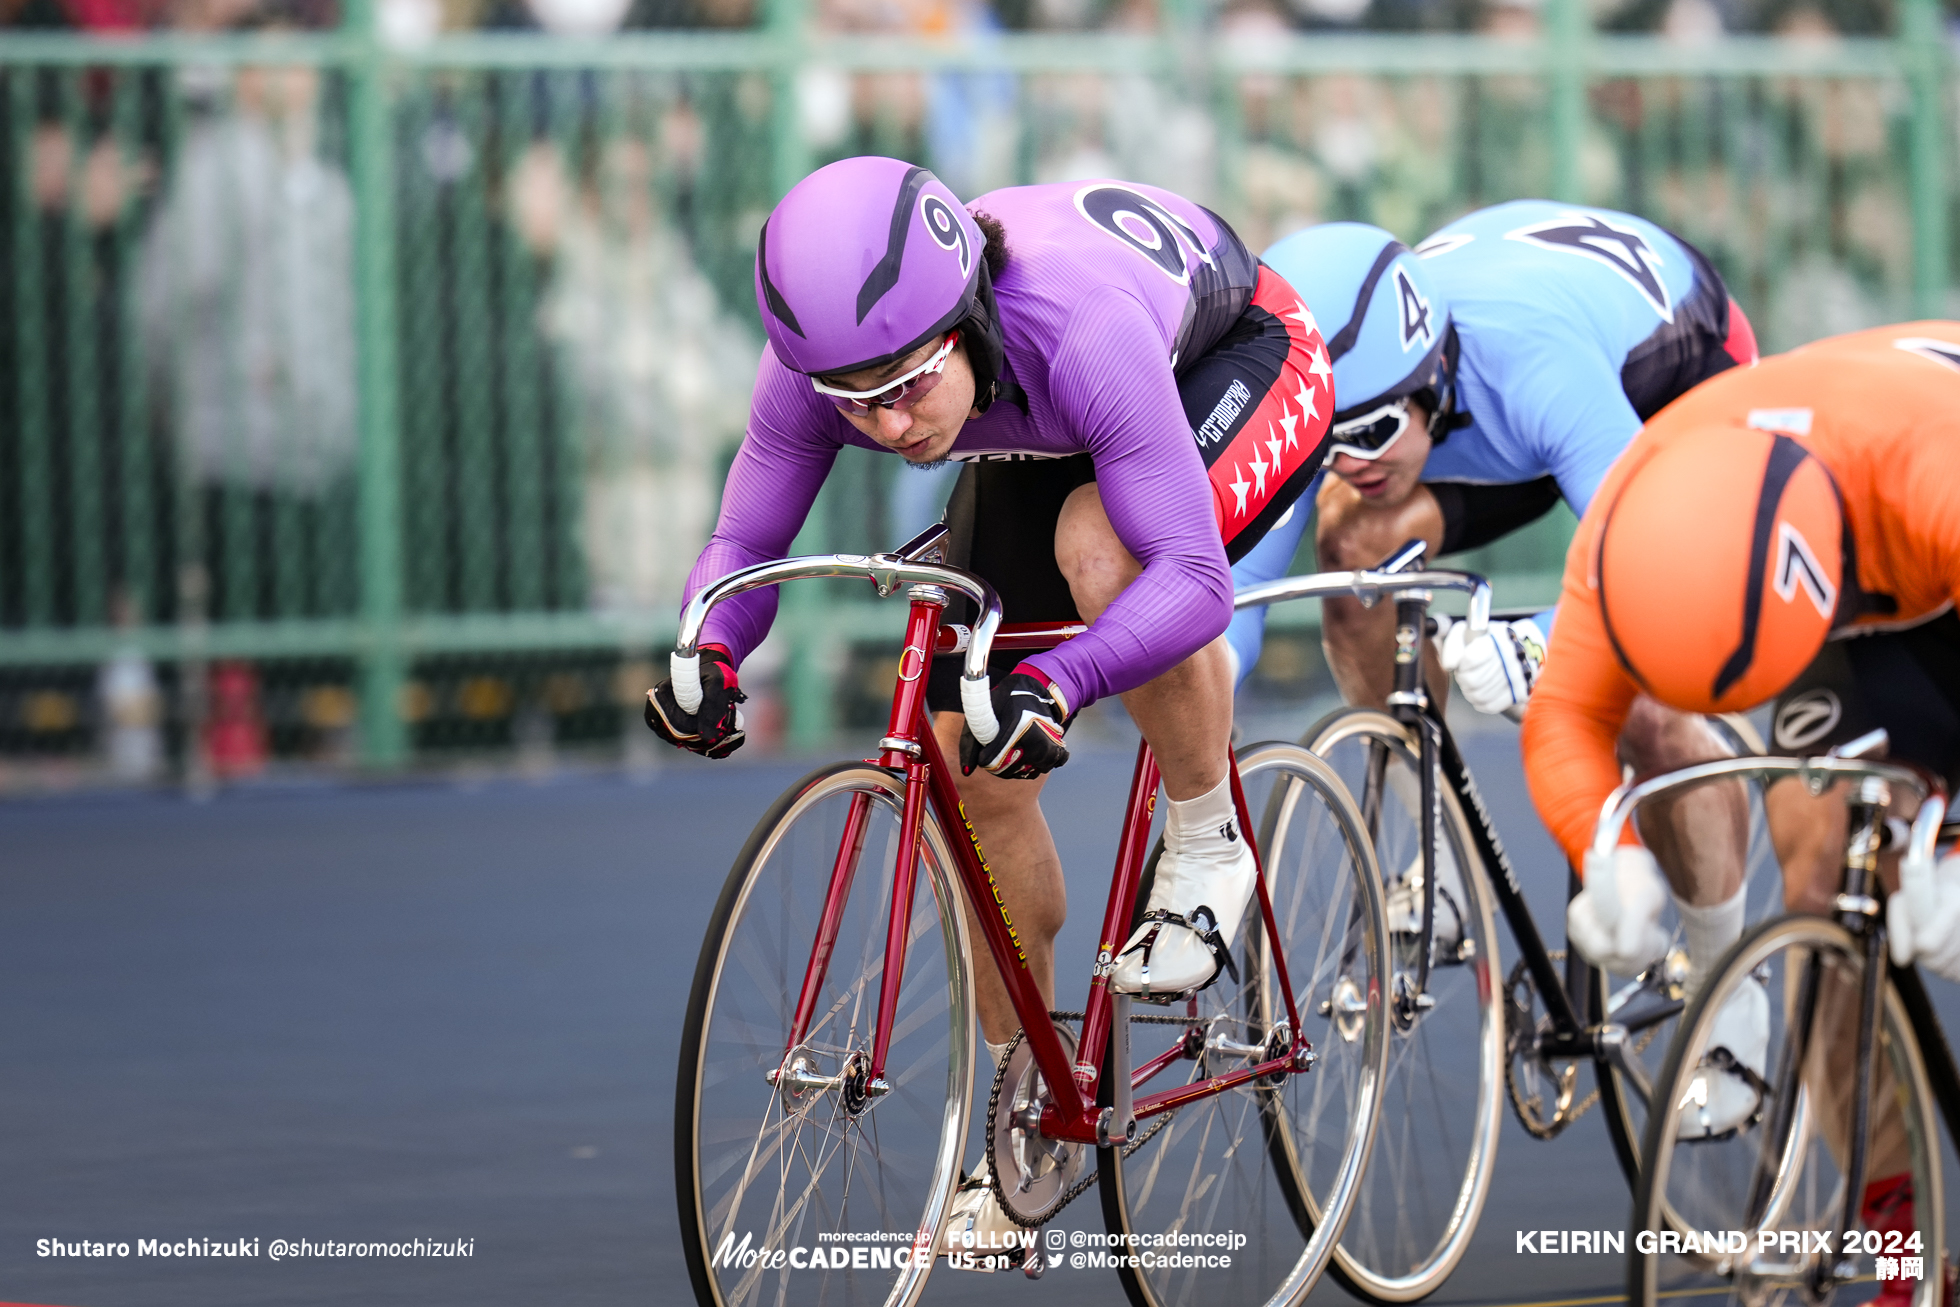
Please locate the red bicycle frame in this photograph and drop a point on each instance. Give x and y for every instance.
(910, 745)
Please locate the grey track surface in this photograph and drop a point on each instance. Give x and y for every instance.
(442, 1010)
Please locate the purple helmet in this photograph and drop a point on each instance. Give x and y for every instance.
(864, 261)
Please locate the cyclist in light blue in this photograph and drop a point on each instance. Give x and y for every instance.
(1496, 368)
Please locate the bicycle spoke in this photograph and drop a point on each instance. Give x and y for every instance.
(1278, 1164)
(772, 1167)
(1778, 1174)
(1433, 1158)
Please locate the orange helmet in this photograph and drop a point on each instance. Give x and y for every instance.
(1719, 564)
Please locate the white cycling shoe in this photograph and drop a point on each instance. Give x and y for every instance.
(978, 1235)
(1191, 921)
(1727, 1088)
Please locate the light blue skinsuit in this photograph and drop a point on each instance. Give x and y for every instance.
(1567, 318)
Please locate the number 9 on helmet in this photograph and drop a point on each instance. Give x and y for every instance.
(868, 259)
(1719, 565)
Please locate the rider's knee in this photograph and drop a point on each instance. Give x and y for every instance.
(1812, 872)
(989, 798)
(983, 794)
(1657, 738)
(1347, 535)
(1094, 562)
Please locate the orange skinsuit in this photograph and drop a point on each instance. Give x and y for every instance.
(1884, 419)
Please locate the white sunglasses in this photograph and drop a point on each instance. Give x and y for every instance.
(1372, 434)
(899, 393)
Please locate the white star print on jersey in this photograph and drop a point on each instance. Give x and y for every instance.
(1259, 475)
(1320, 367)
(1306, 398)
(1304, 317)
(1239, 487)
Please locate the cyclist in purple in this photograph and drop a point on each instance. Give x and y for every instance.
(1136, 399)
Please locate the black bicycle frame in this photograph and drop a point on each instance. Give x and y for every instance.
(1933, 1048)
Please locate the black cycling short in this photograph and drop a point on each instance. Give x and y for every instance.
(1907, 682)
(1002, 515)
(1709, 335)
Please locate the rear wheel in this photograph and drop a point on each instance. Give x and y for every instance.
(776, 1146)
(1276, 1164)
(1779, 1178)
(1442, 1102)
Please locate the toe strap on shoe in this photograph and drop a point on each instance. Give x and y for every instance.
(1723, 1060)
(1202, 923)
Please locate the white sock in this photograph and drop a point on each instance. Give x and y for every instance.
(998, 1052)
(1708, 932)
(1202, 818)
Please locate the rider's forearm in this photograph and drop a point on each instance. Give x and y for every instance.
(1153, 486)
(741, 622)
(781, 465)
(1569, 763)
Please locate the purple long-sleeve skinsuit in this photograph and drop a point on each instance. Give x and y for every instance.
(1095, 318)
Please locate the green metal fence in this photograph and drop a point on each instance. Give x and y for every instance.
(315, 349)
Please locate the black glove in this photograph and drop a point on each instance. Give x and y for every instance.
(715, 730)
(1032, 716)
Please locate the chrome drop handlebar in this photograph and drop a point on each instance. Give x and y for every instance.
(903, 566)
(1814, 772)
(1369, 587)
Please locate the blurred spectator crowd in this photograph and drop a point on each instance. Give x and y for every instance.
(417, 19)
(180, 337)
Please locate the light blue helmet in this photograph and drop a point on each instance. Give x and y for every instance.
(1386, 326)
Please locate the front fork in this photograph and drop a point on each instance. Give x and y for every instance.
(1859, 909)
(1409, 704)
(900, 749)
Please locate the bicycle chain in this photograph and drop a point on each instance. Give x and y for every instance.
(1081, 1186)
(1551, 1130)
(1536, 1129)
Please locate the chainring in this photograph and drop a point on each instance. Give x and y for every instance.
(1031, 1174)
(1527, 1076)
(1088, 1181)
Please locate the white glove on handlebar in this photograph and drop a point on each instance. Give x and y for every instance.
(1497, 669)
(1615, 921)
(1923, 918)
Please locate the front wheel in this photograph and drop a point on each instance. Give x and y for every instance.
(1767, 1188)
(778, 1149)
(1442, 1104)
(1646, 1008)
(1240, 1197)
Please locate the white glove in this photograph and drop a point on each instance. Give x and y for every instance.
(1615, 921)
(1924, 916)
(1497, 669)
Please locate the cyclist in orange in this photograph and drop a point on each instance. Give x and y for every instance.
(1789, 531)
